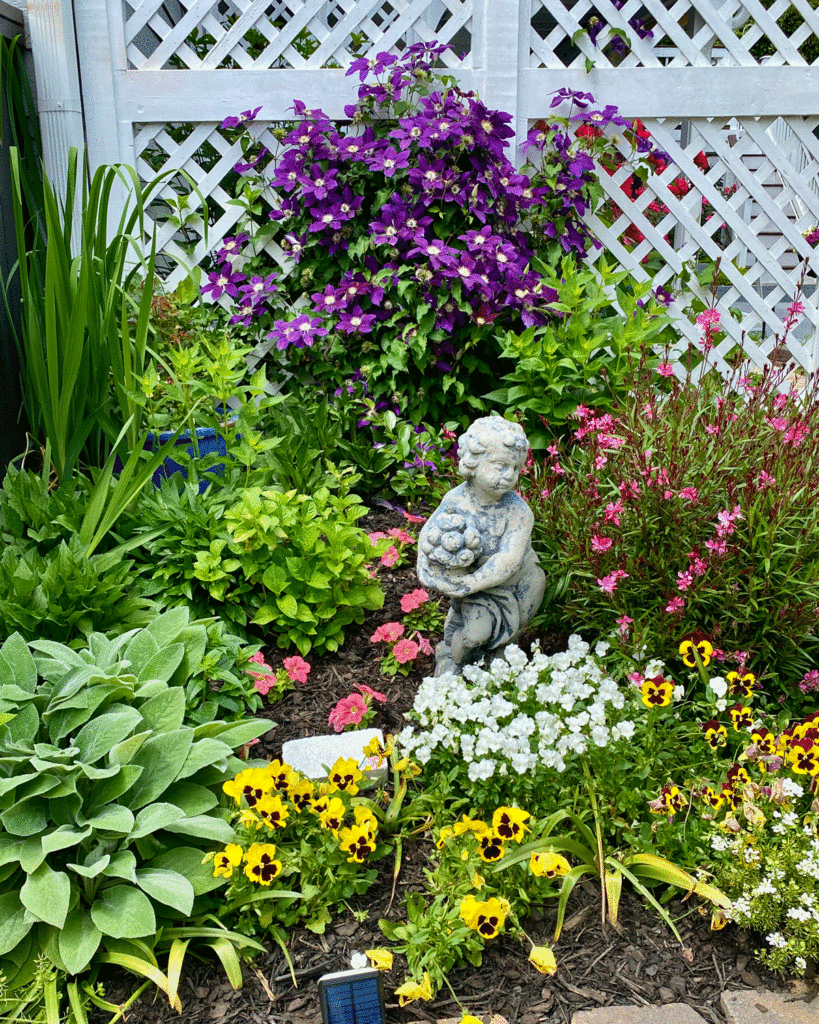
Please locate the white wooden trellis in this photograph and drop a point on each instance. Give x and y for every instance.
(693, 79)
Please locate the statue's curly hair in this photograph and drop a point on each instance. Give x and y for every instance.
(475, 441)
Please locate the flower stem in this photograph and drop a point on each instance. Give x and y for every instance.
(601, 863)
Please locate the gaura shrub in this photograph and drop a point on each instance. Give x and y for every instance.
(694, 506)
(501, 733)
(316, 837)
(106, 796)
(414, 238)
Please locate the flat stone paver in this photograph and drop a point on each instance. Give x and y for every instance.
(759, 1006)
(670, 1013)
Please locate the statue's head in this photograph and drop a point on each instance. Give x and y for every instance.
(488, 435)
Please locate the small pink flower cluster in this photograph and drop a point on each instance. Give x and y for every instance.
(725, 527)
(810, 682)
(353, 709)
(414, 599)
(697, 567)
(401, 539)
(708, 322)
(403, 650)
(295, 670)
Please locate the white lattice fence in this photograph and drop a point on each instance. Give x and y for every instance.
(734, 80)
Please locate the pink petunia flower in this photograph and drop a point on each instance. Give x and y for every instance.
(405, 650)
(297, 668)
(368, 691)
(390, 557)
(390, 631)
(413, 600)
(348, 711)
(401, 536)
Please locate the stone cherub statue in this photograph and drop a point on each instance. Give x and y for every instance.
(476, 548)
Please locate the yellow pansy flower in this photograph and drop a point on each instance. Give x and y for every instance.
(381, 959)
(508, 823)
(227, 860)
(548, 865)
(543, 958)
(411, 990)
(260, 863)
(689, 651)
(345, 775)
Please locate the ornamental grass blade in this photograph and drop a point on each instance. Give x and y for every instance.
(663, 870)
(614, 888)
(52, 1001)
(176, 958)
(638, 885)
(143, 968)
(230, 961)
(569, 882)
(76, 1003)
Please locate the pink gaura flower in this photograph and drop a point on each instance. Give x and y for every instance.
(684, 580)
(545, 492)
(708, 318)
(297, 668)
(413, 600)
(717, 547)
(796, 434)
(368, 691)
(777, 422)
(608, 584)
(629, 489)
(665, 370)
(648, 412)
(765, 480)
(613, 510)
(625, 623)
(557, 468)
(582, 413)
(390, 631)
(609, 441)
(405, 650)
(781, 401)
(390, 557)
(712, 428)
(348, 711)
(599, 543)
(675, 605)
(600, 461)
(690, 494)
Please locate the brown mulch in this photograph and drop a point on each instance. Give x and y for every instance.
(639, 962)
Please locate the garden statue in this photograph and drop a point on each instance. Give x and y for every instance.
(476, 548)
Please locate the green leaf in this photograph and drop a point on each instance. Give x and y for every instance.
(63, 838)
(187, 861)
(168, 887)
(92, 870)
(154, 817)
(121, 865)
(202, 754)
(108, 790)
(191, 798)
(17, 660)
(46, 894)
(203, 826)
(13, 924)
(113, 818)
(163, 664)
(165, 711)
(288, 604)
(162, 758)
(104, 732)
(124, 913)
(79, 940)
(27, 817)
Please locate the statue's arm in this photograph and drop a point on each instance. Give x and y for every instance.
(507, 561)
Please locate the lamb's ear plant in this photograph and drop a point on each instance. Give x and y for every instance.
(106, 800)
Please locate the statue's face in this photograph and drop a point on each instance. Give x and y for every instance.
(497, 472)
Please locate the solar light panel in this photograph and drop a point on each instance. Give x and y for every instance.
(352, 997)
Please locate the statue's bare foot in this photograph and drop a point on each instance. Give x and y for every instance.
(443, 659)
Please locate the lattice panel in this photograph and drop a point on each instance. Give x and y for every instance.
(662, 33)
(208, 158)
(264, 34)
(750, 208)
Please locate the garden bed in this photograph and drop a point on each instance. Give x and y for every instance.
(638, 962)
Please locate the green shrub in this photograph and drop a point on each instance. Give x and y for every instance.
(50, 588)
(106, 795)
(289, 562)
